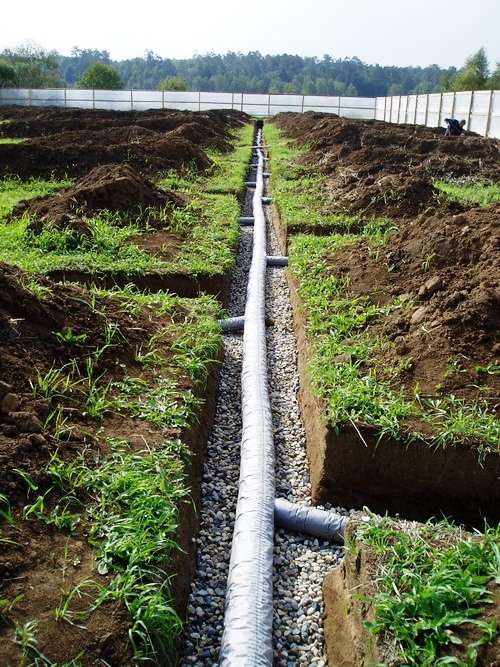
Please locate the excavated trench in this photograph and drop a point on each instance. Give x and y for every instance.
(299, 561)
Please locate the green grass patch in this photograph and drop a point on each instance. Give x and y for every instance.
(336, 327)
(467, 191)
(343, 366)
(432, 580)
(344, 352)
(195, 339)
(209, 222)
(111, 246)
(131, 515)
(13, 190)
(11, 140)
(132, 499)
(230, 170)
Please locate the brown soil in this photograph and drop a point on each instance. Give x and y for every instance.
(113, 156)
(443, 259)
(373, 168)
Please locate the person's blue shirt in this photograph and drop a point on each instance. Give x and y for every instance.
(455, 128)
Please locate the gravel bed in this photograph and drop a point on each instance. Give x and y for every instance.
(300, 561)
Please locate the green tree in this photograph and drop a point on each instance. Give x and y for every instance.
(474, 74)
(494, 80)
(34, 67)
(72, 67)
(172, 83)
(8, 77)
(100, 76)
(395, 89)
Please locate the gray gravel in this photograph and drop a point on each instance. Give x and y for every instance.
(300, 561)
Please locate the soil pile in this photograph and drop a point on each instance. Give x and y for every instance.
(73, 141)
(386, 169)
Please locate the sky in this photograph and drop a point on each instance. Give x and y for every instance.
(384, 32)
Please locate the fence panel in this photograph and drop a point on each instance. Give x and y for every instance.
(480, 109)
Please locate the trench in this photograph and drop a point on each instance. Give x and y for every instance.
(256, 598)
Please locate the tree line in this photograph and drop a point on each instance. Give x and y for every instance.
(31, 66)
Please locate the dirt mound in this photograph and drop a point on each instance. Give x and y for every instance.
(381, 168)
(446, 268)
(113, 187)
(67, 142)
(443, 260)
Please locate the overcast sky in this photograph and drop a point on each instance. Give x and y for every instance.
(387, 32)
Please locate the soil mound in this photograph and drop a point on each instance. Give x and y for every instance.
(443, 260)
(72, 142)
(381, 168)
(113, 187)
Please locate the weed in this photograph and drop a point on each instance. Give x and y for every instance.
(71, 338)
(433, 579)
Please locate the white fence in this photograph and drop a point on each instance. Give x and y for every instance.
(480, 109)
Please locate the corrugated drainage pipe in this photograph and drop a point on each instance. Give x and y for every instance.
(248, 616)
(309, 520)
(274, 260)
(232, 323)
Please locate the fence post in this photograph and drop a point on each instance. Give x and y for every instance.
(453, 104)
(441, 108)
(488, 114)
(471, 105)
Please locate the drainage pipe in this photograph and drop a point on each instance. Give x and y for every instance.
(232, 323)
(309, 520)
(248, 615)
(274, 260)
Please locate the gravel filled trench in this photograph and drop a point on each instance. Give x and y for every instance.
(300, 561)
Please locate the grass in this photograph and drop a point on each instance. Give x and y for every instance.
(128, 503)
(11, 140)
(110, 246)
(131, 521)
(433, 582)
(13, 190)
(209, 222)
(229, 170)
(194, 338)
(337, 324)
(468, 191)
